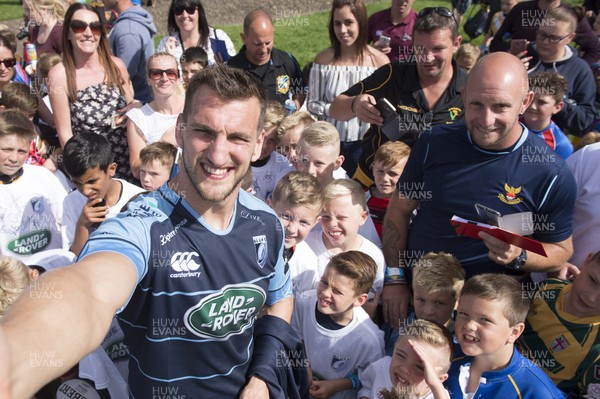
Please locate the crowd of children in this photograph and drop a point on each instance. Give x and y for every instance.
(490, 336)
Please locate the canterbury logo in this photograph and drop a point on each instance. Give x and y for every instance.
(184, 262)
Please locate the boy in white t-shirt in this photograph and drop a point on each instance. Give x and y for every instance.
(344, 212)
(420, 362)
(339, 338)
(270, 165)
(88, 160)
(30, 196)
(297, 200)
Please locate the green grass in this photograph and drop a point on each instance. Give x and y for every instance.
(10, 9)
(306, 35)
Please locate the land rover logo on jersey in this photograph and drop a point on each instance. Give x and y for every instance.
(260, 247)
(225, 313)
(30, 243)
(117, 350)
(283, 84)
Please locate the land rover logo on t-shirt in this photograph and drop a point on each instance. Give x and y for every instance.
(30, 243)
(227, 312)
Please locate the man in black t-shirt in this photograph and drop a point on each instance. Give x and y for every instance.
(279, 71)
(424, 86)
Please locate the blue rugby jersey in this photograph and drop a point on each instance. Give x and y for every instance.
(448, 174)
(189, 321)
(520, 379)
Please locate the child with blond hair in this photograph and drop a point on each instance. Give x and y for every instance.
(344, 212)
(270, 165)
(418, 367)
(297, 200)
(388, 165)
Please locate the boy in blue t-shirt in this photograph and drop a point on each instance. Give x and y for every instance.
(490, 318)
(549, 89)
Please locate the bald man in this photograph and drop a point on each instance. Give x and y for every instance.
(278, 70)
(490, 159)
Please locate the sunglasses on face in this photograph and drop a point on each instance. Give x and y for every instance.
(156, 74)
(8, 62)
(443, 11)
(188, 9)
(78, 26)
(551, 38)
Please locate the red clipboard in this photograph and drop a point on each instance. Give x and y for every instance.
(469, 228)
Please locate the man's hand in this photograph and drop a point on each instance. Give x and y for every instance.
(382, 46)
(255, 389)
(91, 213)
(568, 272)
(395, 304)
(364, 109)
(499, 251)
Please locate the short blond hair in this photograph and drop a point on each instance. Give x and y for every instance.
(274, 115)
(300, 118)
(432, 334)
(341, 187)
(319, 135)
(299, 189)
(439, 273)
(14, 277)
(587, 139)
(561, 14)
(468, 52)
(391, 152)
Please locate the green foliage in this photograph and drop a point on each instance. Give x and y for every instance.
(10, 9)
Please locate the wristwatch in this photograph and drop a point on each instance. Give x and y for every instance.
(519, 262)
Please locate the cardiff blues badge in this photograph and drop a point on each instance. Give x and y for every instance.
(260, 247)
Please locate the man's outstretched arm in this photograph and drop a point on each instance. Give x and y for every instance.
(62, 317)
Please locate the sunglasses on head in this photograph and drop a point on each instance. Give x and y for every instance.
(78, 26)
(156, 74)
(188, 9)
(443, 11)
(8, 62)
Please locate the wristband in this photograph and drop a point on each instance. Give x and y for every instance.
(394, 275)
(355, 381)
(352, 105)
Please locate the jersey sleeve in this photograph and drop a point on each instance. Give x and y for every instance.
(555, 220)
(374, 84)
(280, 286)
